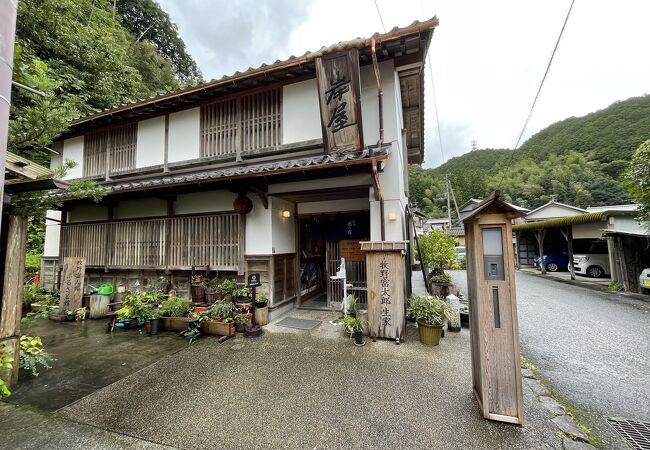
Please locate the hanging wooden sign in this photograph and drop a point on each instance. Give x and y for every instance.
(72, 284)
(351, 250)
(340, 105)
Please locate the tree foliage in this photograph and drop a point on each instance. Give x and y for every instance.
(638, 177)
(438, 250)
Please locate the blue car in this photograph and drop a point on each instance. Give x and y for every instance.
(554, 262)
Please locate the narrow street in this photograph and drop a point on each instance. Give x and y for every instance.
(591, 346)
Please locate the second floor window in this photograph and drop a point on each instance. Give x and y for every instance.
(251, 123)
(110, 151)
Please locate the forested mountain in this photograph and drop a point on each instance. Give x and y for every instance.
(579, 160)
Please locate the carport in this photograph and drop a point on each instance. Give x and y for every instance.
(631, 256)
(572, 230)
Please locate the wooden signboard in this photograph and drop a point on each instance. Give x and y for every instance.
(340, 106)
(386, 289)
(351, 250)
(72, 284)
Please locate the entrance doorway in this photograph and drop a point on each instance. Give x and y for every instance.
(324, 239)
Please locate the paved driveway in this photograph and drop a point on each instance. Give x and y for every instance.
(594, 347)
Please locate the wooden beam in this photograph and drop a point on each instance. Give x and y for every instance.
(20, 169)
(12, 291)
(567, 233)
(263, 197)
(379, 194)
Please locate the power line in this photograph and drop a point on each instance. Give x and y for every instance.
(548, 68)
(435, 107)
(380, 18)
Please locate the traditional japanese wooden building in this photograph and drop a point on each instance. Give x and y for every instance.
(280, 169)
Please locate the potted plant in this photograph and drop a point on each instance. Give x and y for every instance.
(438, 254)
(226, 289)
(80, 314)
(355, 327)
(69, 315)
(212, 292)
(152, 318)
(430, 313)
(241, 322)
(353, 305)
(219, 319)
(242, 295)
(197, 288)
(261, 308)
(173, 313)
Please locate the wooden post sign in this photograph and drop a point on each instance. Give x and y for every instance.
(494, 332)
(386, 288)
(340, 106)
(72, 284)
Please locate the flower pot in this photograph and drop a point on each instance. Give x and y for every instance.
(240, 327)
(227, 298)
(174, 323)
(212, 296)
(133, 324)
(241, 300)
(198, 294)
(358, 338)
(262, 304)
(200, 309)
(261, 315)
(153, 328)
(429, 334)
(216, 328)
(69, 317)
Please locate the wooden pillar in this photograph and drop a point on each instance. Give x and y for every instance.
(568, 235)
(241, 266)
(540, 235)
(621, 254)
(12, 292)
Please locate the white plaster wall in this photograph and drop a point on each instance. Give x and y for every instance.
(184, 135)
(626, 223)
(300, 112)
(283, 228)
(150, 147)
(73, 149)
(588, 230)
(52, 234)
(394, 228)
(296, 186)
(353, 204)
(258, 229)
(553, 211)
(87, 213)
(146, 207)
(204, 202)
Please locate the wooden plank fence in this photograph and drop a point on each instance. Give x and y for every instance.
(176, 243)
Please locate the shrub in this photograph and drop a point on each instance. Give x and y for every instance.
(429, 310)
(175, 307)
(615, 286)
(222, 310)
(438, 250)
(440, 278)
(228, 286)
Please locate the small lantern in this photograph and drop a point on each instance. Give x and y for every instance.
(242, 204)
(286, 214)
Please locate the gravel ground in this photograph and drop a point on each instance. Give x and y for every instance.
(300, 389)
(592, 346)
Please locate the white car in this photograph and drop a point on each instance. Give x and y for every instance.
(591, 264)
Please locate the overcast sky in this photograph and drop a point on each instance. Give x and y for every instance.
(487, 57)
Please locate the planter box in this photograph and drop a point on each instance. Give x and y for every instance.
(215, 328)
(174, 323)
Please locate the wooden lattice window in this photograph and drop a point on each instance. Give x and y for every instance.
(251, 124)
(110, 151)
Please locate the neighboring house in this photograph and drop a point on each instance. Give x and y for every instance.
(280, 170)
(553, 210)
(441, 224)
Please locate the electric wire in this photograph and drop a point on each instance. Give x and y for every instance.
(380, 18)
(541, 84)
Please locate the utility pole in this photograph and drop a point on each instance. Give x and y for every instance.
(473, 142)
(450, 196)
(7, 35)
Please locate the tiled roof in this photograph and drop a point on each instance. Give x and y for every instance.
(266, 70)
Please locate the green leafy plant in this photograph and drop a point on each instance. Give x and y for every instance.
(228, 286)
(241, 318)
(81, 313)
(6, 362)
(33, 293)
(242, 292)
(440, 278)
(429, 310)
(212, 285)
(438, 251)
(353, 305)
(32, 354)
(175, 307)
(354, 324)
(615, 286)
(222, 310)
(261, 297)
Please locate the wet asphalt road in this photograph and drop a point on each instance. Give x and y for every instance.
(594, 347)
